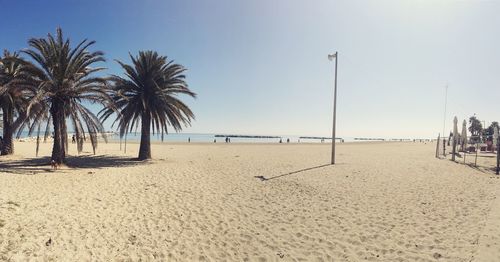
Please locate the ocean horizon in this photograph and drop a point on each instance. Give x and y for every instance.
(237, 138)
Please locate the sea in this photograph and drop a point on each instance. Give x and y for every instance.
(237, 138)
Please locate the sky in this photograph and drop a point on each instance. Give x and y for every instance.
(260, 67)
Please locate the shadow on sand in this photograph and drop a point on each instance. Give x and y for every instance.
(31, 166)
(262, 178)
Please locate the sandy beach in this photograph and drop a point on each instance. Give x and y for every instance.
(203, 202)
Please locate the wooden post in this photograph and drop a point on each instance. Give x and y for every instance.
(498, 157)
(453, 150)
(465, 153)
(477, 149)
(444, 147)
(437, 146)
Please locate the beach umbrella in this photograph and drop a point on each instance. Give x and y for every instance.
(455, 128)
(463, 137)
(455, 136)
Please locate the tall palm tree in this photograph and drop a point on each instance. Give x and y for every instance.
(65, 80)
(14, 96)
(148, 94)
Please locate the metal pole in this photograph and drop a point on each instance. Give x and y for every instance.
(334, 108)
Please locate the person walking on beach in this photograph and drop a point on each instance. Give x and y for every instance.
(73, 139)
(189, 139)
(288, 140)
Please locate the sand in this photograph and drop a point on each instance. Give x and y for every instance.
(203, 202)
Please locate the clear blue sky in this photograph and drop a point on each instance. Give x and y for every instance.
(260, 66)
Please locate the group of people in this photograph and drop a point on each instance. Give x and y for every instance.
(73, 139)
(228, 140)
(287, 140)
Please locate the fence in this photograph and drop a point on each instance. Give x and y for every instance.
(479, 155)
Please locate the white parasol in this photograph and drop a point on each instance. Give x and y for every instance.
(463, 137)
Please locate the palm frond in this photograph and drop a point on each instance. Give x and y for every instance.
(149, 92)
(64, 80)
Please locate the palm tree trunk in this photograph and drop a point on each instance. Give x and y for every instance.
(64, 137)
(8, 131)
(58, 149)
(145, 147)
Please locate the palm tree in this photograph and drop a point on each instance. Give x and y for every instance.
(64, 81)
(14, 96)
(488, 132)
(148, 94)
(476, 128)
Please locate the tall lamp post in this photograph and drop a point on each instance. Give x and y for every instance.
(331, 57)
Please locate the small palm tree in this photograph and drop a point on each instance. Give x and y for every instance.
(14, 96)
(64, 81)
(148, 94)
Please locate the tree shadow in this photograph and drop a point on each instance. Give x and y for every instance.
(102, 161)
(262, 178)
(478, 168)
(28, 166)
(31, 166)
(487, 156)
